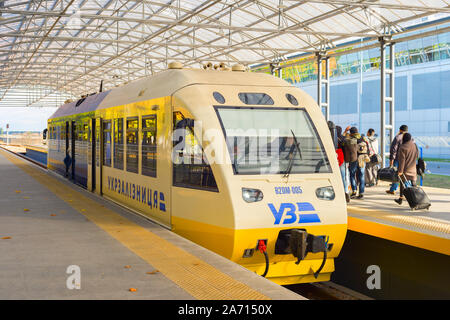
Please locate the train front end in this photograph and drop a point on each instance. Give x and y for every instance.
(286, 192)
(280, 208)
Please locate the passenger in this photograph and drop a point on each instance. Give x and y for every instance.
(406, 156)
(372, 166)
(393, 162)
(357, 148)
(67, 161)
(343, 165)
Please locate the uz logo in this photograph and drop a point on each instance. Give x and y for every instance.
(291, 216)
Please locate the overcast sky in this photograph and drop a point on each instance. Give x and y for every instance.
(25, 119)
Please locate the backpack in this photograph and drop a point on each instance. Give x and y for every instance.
(421, 165)
(350, 150)
(363, 146)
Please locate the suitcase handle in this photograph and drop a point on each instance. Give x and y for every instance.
(404, 183)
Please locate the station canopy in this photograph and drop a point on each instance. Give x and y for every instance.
(51, 50)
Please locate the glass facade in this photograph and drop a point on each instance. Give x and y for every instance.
(427, 49)
(422, 95)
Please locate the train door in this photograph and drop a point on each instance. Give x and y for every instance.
(92, 156)
(73, 135)
(98, 155)
(67, 159)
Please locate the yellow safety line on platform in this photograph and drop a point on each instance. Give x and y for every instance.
(397, 234)
(195, 276)
(417, 222)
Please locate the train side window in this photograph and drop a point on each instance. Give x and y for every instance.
(107, 143)
(75, 131)
(85, 131)
(149, 146)
(190, 166)
(132, 145)
(79, 132)
(118, 143)
(62, 138)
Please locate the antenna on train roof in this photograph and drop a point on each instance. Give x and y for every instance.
(101, 86)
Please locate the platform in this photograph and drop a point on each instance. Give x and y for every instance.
(408, 250)
(378, 215)
(49, 224)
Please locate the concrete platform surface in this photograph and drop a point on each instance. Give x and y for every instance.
(427, 229)
(55, 236)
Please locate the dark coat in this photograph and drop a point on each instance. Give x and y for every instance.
(396, 143)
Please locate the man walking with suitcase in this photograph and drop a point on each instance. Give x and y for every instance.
(393, 160)
(406, 156)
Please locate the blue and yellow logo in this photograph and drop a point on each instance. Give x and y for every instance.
(291, 215)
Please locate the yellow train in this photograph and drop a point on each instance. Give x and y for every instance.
(241, 163)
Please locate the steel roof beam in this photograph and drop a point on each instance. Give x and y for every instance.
(38, 46)
(384, 5)
(156, 22)
(121, 37)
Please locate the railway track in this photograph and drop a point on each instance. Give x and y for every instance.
(326, 291)
(24, 157)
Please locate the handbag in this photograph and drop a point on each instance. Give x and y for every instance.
(375, 158)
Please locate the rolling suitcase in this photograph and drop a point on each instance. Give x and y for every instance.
(416, 197)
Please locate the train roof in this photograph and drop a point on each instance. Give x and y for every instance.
(165, 84)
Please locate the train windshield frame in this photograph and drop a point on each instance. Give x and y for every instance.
(266, 140)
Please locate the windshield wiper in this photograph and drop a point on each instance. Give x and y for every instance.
(291, 155)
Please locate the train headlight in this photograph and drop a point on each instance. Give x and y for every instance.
(251, 195)
(325, 193)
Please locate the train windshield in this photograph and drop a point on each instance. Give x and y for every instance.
(272, 141)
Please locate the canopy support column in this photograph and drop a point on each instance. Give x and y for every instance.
(274, 67)
(323, 100)
(387, 106)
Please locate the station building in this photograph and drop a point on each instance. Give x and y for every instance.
(422, 82)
